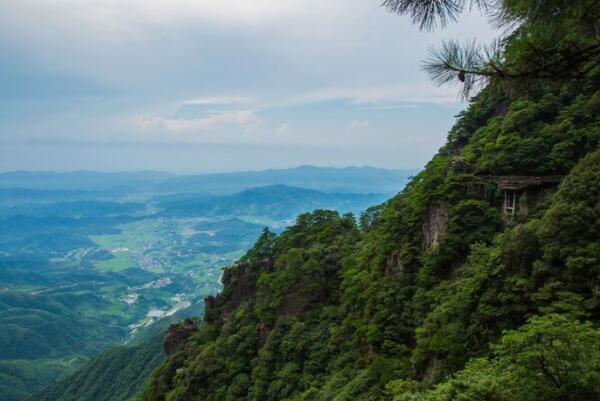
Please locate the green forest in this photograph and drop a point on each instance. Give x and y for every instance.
(116, 374)
(479, 281)
(83, 272)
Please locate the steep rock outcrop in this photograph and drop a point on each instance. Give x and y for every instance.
(435, 225)
(178, 334)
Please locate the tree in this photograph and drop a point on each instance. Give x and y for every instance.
(544, 40)
(263, 248)
(552, 358)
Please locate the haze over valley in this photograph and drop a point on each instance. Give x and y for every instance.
(300, 200)
(91, 260)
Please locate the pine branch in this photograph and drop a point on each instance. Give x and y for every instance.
(472, 65)
(428, 14)
(431, 14)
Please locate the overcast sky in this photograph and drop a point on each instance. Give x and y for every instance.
(219, 85)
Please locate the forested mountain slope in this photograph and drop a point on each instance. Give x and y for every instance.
(79, 275)
(479, 281)
(274, 202)
(115, 374)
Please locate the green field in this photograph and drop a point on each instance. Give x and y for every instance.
(115, 289)
(77, 277)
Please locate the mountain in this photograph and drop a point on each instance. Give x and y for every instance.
(82, 180)
(326, 179)
(116, 374)
(14, 196)
(278, 202)
(19, 378)
(441, 285)
(479, 281)
(92, 185)
(73, 209)
(81, 271)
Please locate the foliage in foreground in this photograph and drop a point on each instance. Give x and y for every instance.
(551, 358)
(329, 310)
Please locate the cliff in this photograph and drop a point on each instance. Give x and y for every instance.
(480, 280)
(328, 310)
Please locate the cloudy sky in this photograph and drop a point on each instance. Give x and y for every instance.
(206, 85)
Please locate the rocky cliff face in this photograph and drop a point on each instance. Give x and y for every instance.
(386, 311)
(328, 311)
(178, 334)
(435, 224)
(239, 284)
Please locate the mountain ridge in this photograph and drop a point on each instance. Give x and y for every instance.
(329, 179)
(460, 287)
(326, 179)
(276, 201)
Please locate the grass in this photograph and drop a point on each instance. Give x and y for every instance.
(120, 262)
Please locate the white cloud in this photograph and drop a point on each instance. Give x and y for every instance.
(216, 100)
(212, 121)
(83, 67)
(391, 95)
(283, 129)
(130, 15)
(358, 125)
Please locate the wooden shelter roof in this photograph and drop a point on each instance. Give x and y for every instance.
(514, 182)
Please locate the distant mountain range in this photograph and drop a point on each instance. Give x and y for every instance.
(88, 260)
(326, 179)
(277, 202)
(82, 180)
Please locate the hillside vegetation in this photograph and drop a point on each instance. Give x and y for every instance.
(116, 374)
(440, 293)
(84, 270)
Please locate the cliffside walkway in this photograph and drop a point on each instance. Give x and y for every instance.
(516, 182)
(515, 188)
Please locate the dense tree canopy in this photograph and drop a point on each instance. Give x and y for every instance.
(496, 308)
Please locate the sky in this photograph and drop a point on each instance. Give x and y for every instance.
(205, 86)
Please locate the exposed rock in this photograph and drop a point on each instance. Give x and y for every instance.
(393, 266)
(178, 334)
(434, 225)
(458, 164)
(239, 285)
(457, 147)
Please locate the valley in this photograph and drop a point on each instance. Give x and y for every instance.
(454, 257)
(82, 272)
